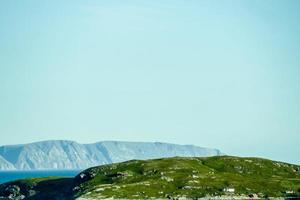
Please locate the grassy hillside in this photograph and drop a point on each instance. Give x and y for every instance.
(168, 178)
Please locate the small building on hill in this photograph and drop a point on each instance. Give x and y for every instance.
(231, 190)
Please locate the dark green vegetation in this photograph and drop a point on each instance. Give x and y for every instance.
(167, 178)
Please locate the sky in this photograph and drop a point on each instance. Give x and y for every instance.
(220, 74)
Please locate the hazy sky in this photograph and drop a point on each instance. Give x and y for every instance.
(222, 74)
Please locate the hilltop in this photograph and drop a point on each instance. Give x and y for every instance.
(167, 178)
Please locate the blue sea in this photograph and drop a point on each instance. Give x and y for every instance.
(6, 176)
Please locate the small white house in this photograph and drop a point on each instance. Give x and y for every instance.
(229, 190)
(289, 192)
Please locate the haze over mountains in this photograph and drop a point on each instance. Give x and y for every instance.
(63, 154)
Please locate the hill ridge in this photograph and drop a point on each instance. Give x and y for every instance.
(217, 177)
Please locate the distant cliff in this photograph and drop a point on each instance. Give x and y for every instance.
(61, 154)
(5, 165)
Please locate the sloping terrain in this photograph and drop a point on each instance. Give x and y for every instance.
(5, 165)
(61, 154)
(170, 178)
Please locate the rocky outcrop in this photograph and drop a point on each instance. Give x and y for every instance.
(218, 177)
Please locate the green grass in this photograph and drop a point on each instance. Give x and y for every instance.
(162, 178)
(193, 177)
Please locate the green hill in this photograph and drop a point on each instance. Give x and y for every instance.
(167, 178)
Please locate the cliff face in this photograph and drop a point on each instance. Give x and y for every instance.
(5, 165)
(72, 155)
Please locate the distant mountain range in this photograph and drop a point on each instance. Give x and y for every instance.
(63, 154)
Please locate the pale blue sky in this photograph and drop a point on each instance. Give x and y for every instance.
(222, 74)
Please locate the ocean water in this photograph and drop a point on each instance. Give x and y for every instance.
(6, 176)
